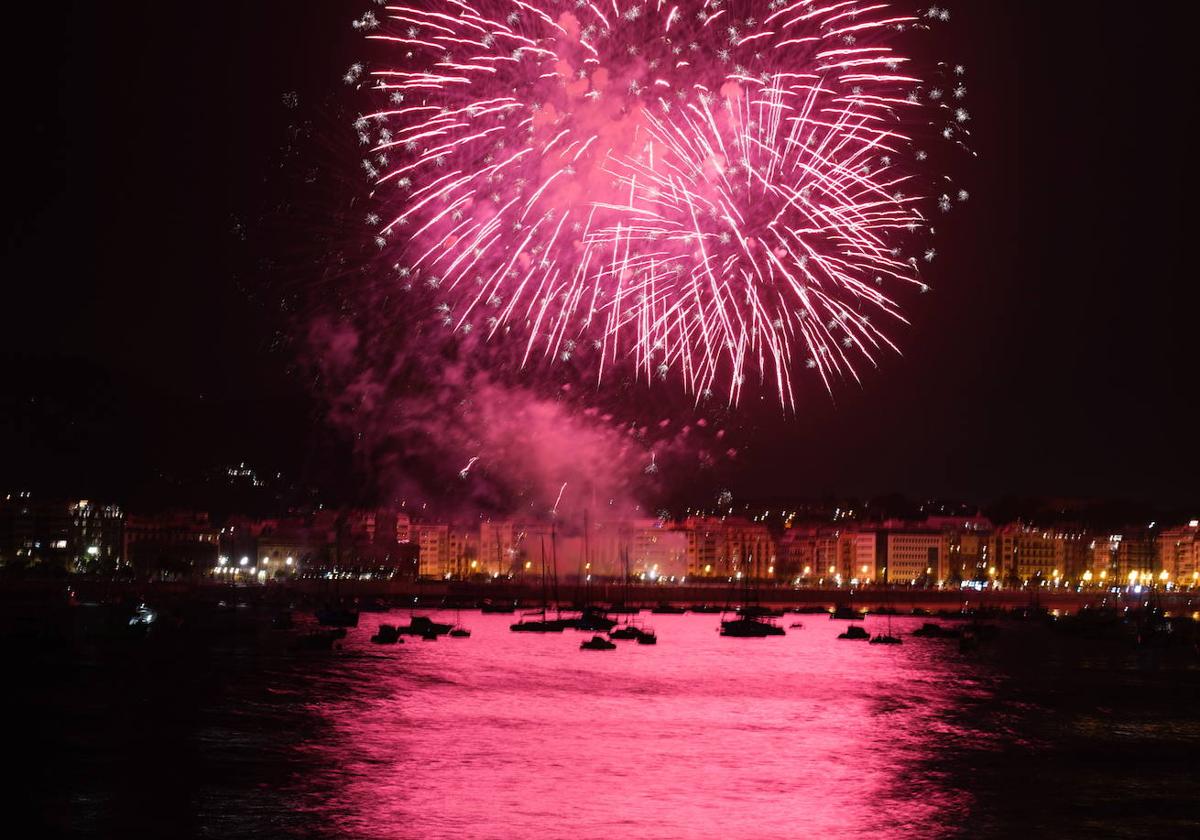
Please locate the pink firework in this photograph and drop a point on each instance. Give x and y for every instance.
(707, 189)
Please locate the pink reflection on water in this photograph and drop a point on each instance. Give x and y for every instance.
(505, 735)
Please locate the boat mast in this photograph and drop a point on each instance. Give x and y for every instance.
(544, 596)
(585, 561)
(554, 564)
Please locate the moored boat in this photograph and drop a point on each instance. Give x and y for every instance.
(936, 631)
(750, 628)
(663, 608)
(422, 625)
(387, 634)
(502, 607)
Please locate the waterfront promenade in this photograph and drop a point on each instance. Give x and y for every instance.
(529, 594)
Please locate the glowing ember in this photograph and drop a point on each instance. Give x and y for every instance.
(705, 189)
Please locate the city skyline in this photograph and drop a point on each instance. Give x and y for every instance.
(805, 546)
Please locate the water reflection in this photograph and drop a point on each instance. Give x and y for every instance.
(511, 734)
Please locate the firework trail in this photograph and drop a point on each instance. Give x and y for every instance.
(707, 189)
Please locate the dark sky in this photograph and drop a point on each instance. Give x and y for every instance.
(1057, 355)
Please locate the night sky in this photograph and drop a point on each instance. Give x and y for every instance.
(149, 141)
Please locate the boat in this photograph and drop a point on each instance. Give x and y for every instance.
(845, 614)
(796, 625)
(647, 638)
(663, 608)
(387, 634)
(936, 631)
(706, 608)
(423, 625)
(333, 616)
(887, 638)
(750, 628)
(544, 625)
(504, 607)
(752, 621)
(536, 627)
(458, 631)
(756, 611)
(630, 630)
(855, 633)
(597, 643)
(429, 636)
(142, 620)
(593, 619)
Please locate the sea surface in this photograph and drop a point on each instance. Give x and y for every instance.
(507, 735)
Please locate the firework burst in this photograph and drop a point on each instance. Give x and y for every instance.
(709, 190)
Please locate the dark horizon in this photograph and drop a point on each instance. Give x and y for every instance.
(146, 334)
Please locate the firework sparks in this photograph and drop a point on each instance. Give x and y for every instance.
(708, 189)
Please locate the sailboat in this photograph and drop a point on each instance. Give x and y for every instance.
(631, 629)
(751, 620)
(544, 625)
(458, 631)
(591, 619)
(887, 638)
